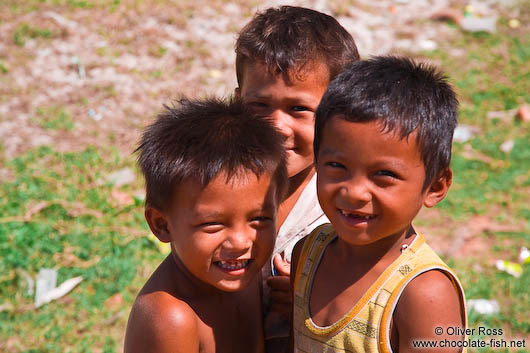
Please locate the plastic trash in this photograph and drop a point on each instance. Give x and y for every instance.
(506, 115)
(483, 306)
(507, 146)
(478, 24)
(60, 291)
(121, 177)
(46, 281)
(80, 67)
(94, 115)
(511, 268)
(524, 255)
(428, 45)
(464, 133)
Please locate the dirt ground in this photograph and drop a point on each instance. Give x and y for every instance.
(111, 68)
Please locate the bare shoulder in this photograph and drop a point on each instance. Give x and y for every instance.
(429, 301)
(159, 322)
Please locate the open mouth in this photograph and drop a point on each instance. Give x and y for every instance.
(232, 265)
(354, 218)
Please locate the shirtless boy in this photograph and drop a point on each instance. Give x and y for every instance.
(285, 59)
(215, 175)
(368, 282)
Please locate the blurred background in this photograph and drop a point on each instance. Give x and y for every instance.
(80, 79)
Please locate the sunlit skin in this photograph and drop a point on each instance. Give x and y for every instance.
(221, 235)
(370, 184)
(292, 106)
(225, 223)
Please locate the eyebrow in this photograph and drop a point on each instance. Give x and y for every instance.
(392, 162)
(327, 151)
(206, 214)
(304, 98)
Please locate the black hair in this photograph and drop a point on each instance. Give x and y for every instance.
(404, 96)
(287, 38)
(197, 139)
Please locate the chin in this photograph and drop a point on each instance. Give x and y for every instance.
(294, 169)
(233, 286)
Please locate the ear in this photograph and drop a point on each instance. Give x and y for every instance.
(438, 189)
(158, 223)
(237, 93)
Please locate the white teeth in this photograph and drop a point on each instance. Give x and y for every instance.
(348, 214)
(232, 265)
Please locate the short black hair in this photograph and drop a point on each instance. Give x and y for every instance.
(404, 96)
(198, 139)
(287, 38)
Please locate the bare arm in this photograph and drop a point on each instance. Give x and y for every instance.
(428, 302)
(160, 323)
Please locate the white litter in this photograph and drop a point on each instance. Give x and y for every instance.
(478, 24)
(464, 133)
(484, 306)
(121, 177)
(46, 290)
(507, 146)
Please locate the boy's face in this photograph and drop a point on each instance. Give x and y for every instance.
(291, 106)
(224, 233)
(370, 183)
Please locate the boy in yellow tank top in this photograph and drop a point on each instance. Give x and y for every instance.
(368, 282)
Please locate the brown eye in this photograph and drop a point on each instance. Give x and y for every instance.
(334, 165)
(387, 173)
(211, 227)
(299, 108)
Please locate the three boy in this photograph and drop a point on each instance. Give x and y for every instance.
(285, 59)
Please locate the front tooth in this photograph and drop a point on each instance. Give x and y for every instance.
(233, 265)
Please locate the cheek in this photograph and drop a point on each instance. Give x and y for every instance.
(324, 193)
(198, 249)
(265, 241)
(305, 134)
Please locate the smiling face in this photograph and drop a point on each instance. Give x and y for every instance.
(291, 105)
(370, 183)
(224, 233)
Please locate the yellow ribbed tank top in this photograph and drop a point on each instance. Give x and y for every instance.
(366, 327)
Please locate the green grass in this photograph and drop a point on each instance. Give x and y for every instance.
(80, 232)
(493, 76)
(56, 210)
(54, 118)
(3, 67)
(25, 31)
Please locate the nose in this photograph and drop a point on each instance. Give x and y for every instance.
(240, 239)
(282, 121)
(357, 189)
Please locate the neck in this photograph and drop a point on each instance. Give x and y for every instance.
(193, 285)
(387, 249)
(299, 181)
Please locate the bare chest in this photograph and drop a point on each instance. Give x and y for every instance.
(230, 327)
(336, 291)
